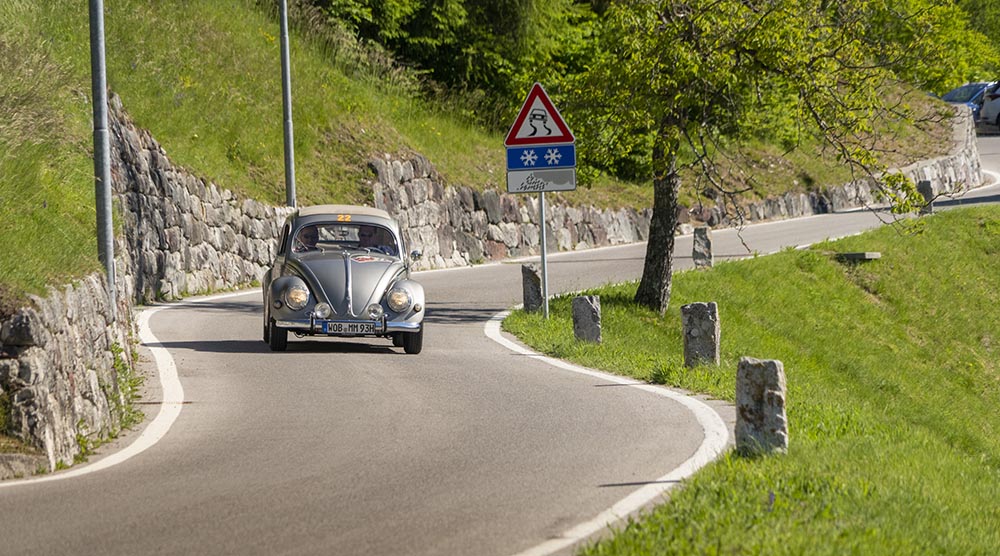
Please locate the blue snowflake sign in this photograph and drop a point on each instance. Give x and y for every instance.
(538, 158)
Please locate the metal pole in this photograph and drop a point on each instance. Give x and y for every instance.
(286, 89)
(545, 266)
(102, 151)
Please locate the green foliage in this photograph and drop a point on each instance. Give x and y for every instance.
(4, 412)
(129, 383)
(893, 378)
(84, 443)
(496, 48)
(708, 73)
(984, 61)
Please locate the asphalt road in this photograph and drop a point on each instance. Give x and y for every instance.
(350, 447)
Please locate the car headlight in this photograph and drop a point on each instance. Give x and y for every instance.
(374, 311)
(322, 310)
(398, 299)
(296, 297)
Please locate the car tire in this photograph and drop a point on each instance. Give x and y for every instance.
(397, 339)
(267, 329)
(277, 338)
(413, 342)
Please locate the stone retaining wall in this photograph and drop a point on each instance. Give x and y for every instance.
(455, 226)
(184, 235)
(60, 380)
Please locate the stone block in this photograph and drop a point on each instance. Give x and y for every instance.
(926, 190)
(702, 250)
(702, 331)
(761, 422)
(491, 204)
(24, 329)
(587, 318)
(531, 284)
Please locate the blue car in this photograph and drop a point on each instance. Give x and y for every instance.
(970, 94)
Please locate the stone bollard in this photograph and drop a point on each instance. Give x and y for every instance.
(531, 282)
(702, 250)
(587, 318)
(700, 322)
(926, 190)
(761, 424)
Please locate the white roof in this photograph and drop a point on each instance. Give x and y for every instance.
(343, 209)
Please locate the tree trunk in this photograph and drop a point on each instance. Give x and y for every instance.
(657, 271)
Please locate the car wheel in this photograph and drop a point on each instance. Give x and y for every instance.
(413, 342)
(278, 337)
(397, 339)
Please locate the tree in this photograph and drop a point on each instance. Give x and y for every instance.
(678, 80)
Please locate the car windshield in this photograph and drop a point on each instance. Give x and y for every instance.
(965, 93)
(345, 235)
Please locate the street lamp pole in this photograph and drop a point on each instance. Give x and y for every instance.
(102, 150)
(286, 89)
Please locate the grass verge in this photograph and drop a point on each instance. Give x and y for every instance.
(893, 384)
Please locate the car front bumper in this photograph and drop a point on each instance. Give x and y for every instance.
(322, 327)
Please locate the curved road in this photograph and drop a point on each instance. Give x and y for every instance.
(354, 448)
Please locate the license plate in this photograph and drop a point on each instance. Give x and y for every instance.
(337, 328)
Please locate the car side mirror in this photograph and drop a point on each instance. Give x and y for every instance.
(416, 255)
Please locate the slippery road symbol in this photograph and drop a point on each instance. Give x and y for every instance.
(539, 115)
(538, 124)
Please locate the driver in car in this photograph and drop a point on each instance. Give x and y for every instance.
(370, 237)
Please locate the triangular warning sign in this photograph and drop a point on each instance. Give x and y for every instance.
(538, 122)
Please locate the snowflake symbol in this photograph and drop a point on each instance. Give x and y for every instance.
(552, 156)
(529, 158)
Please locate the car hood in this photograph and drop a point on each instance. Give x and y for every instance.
(348, 281)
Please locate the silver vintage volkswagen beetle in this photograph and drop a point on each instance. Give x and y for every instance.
(342, 271)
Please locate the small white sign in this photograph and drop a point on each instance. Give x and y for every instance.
(536, 181)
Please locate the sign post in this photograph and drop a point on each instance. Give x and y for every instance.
(541, 156)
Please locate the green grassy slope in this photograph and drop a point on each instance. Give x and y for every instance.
(204, 78)
(893, 372)
(47, 215)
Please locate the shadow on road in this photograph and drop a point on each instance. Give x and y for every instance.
(454, 313)
(638, 484)
(294, 345)
(245, 307)
(970, 201)
(562, 261)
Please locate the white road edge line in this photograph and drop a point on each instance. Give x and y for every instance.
(172, 400)
(715, 430)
